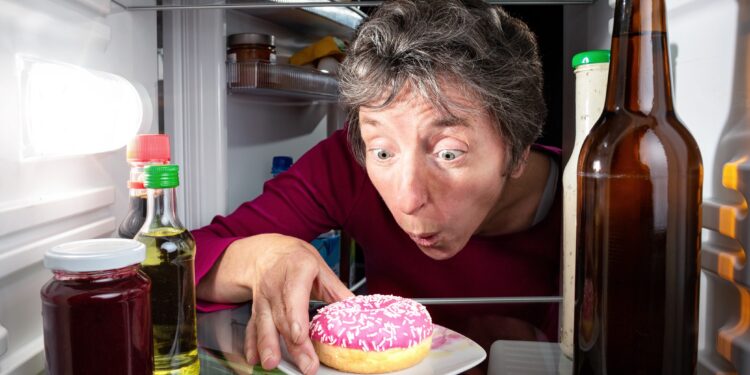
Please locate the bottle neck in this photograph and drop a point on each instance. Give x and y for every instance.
(135, 179)
(161, 209)
(639, 73)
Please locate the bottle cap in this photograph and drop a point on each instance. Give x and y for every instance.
(161, 176)
(590, 57)
(280, 164)
(95, 255)
(149, 148)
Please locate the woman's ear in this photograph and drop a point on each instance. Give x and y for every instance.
(522, 163)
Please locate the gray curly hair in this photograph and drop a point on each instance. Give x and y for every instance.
(421, 43)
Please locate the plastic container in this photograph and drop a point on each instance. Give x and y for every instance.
(591, 68)
(96, 309)
(244, 51)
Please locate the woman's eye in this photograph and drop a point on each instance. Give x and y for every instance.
(449, 155)
(381, 154)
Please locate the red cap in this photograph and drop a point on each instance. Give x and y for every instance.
(149, 148)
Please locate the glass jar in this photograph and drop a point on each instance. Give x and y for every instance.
(244, 52)
(248, 47)
(96, 309)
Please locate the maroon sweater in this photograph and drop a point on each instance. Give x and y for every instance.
(327, 189)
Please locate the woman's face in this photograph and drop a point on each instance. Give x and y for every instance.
(439, 174)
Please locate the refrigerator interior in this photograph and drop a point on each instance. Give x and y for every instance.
(224, 141)
(47, 199)
(260, 126)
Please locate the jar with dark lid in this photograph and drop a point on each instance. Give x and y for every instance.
(246, 47)
(96, 310)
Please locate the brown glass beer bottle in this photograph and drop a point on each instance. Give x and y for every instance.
(639, 201)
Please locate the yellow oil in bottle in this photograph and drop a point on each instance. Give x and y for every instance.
(170, 257)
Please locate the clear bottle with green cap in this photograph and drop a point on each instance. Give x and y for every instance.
(591, 69)
(170, 263)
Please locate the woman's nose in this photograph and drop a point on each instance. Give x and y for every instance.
(412, 191)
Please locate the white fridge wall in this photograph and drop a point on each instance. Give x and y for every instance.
(259, 129)
(44, 202)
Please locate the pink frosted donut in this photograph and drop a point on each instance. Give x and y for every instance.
(372, 334)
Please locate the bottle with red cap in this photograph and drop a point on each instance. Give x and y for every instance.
(143, 150)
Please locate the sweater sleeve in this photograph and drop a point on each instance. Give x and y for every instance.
(315, 195)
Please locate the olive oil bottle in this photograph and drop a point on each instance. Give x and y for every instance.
(170, 263)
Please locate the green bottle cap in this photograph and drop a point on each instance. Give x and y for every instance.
(590, 57)
(161, 176)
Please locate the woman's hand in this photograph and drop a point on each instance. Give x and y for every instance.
(280, 274)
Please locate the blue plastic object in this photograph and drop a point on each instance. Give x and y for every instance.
(329, 247)
(280, 164)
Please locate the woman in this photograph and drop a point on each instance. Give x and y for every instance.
(436, 177)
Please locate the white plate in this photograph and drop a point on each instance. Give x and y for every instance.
(451, 353)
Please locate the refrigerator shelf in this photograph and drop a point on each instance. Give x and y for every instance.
(282, 81)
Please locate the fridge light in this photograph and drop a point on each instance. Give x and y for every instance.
(69, 110)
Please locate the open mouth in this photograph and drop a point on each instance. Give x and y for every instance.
(425, 239)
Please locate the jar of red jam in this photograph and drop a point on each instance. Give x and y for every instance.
(96, 309)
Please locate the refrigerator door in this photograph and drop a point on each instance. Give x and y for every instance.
(73, 75)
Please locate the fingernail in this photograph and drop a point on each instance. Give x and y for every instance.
(304, 363)
(266, 356)
(296, 333)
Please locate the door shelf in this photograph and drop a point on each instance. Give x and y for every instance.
(260, 78)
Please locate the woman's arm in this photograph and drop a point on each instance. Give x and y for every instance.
(279, 273)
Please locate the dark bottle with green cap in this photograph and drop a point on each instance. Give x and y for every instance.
(170, 263)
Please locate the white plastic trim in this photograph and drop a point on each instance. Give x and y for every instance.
(38, 210)
(3, 340)
(101, 7)
(195, 82)
(28, 359)
(32, 253)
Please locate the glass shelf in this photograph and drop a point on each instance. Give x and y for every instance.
(260, 78)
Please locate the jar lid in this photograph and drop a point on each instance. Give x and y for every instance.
(161, 176)
(590, 57)
(250, 38)
(148, 148)
(95, 255)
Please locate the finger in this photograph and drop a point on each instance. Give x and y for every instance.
(295, 299)
(329, 288)
(289, 302)
(304, 356)
(251, 340)
(267, 335)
